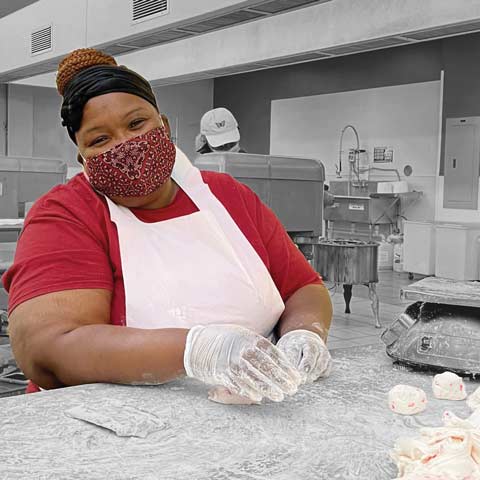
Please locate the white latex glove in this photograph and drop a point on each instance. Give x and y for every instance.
(239, 359)
(308, 353)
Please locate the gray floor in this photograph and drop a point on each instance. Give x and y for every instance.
(358, 327)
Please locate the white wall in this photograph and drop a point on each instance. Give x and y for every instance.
(3, 119)
(35, 128)
(34, 125)
(20, 121)
(404, 117)
(184, 105)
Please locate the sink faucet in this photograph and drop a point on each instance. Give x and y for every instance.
(338, 167)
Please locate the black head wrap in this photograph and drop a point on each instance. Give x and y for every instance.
(99, 80)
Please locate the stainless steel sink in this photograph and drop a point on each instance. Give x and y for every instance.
(359, 206)
(363, 189)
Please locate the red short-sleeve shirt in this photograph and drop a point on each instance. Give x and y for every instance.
(69, 242)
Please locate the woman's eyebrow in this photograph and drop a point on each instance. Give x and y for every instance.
(99, 127)
(135, 110)
(93, 129)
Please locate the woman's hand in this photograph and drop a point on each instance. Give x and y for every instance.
(308, 353)
(241, 360)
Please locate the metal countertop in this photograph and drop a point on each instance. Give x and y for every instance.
(442, 290)
(338, 428)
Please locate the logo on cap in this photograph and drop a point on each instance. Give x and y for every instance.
(219, 127)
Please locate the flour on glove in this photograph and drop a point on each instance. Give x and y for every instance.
(308, 353)
(239, 359)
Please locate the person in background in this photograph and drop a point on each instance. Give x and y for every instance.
(218, 132)
(142, 269)
(201, 144)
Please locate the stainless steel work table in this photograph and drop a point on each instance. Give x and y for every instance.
(338, 428)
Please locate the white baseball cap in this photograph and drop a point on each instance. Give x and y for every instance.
(220, 127)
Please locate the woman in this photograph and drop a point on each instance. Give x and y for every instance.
(192, 265)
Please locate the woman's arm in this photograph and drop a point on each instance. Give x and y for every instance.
(65, 338)
(309, 308)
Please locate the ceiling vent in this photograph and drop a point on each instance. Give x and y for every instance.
(41, 41)
(31, 70)
(277, 6)
(302, 57)
(205, 25)
(222, 21)
(118, 49)
(147, 9)
(446, 31)
(192, 77)
(365, 46)
(146, 41)
(247, 67)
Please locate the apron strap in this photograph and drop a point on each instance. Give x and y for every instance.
(183, 168)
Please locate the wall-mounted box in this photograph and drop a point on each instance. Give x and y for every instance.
(462, 161)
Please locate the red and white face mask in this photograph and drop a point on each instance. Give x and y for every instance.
(134, 168)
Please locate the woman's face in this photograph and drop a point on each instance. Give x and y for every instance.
(114, 118)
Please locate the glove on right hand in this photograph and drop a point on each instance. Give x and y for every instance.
(241, 360)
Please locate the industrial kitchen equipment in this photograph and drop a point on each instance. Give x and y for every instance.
(355, 215)
(293, 188)
(23, 180)
(360, 204)
(350, 262)
(440, 330)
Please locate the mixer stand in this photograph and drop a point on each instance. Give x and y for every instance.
(372, 295)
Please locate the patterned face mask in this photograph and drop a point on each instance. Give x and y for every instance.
(134, 168)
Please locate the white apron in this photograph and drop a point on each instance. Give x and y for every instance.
(197, 269)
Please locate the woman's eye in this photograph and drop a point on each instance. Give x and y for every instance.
(137, 123)
(97, 141)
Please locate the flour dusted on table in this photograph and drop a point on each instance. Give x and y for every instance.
(407, 400)
(123, 420)
(448, 386)
(224, 395)
(473, 400)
